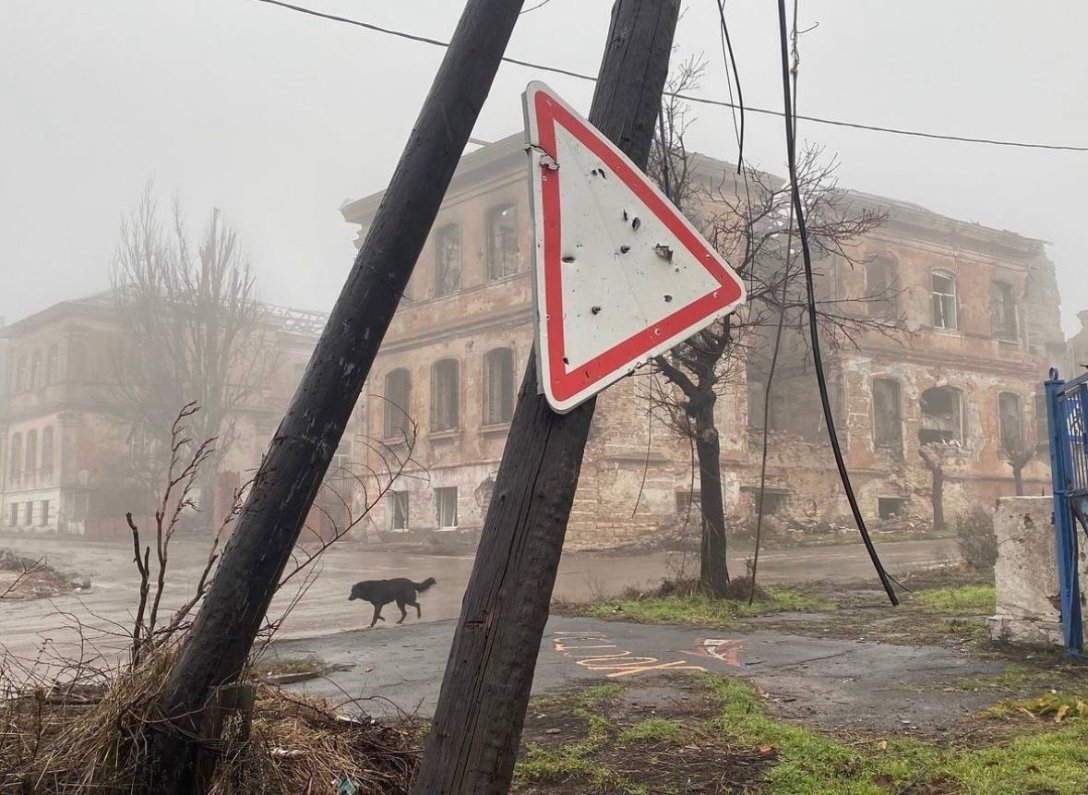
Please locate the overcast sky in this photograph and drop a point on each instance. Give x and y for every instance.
(277, 118)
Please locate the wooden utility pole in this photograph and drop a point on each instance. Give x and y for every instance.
(477, 725)
(302, 447)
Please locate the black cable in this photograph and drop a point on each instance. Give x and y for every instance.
(699, 100)
(732, 61)
(817, 357)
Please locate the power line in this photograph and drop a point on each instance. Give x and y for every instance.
(817, 357)
(686, 97)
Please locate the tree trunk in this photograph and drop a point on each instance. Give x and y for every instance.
(713, 566)
(1018, 479)
(937, 498)
(303, 445)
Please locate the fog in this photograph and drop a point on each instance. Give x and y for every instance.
(277, 118)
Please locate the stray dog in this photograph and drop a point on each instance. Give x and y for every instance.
(381, 592)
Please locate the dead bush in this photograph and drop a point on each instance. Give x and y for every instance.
(976, 539)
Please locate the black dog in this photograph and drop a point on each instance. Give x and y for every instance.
(381, 592)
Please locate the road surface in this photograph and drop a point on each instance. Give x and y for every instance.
(106, 608)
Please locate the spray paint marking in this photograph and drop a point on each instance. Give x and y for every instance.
(728, 651)
(591, 652)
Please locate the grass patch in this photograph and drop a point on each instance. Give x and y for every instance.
(697, 608)
(1052, 761)
(960, 600)
(651, 729)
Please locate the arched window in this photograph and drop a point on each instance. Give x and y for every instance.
(499, 379)
(47, 449)
(445, 395)
(15, 460)
(945, 307)
(31, 451)
(881, 291)
(887, 416)
(1010, 422)
(398, 393)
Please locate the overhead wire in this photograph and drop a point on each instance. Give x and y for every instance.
(686, 97)
(814, 333)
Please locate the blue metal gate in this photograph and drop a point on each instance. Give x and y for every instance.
(1067, 408)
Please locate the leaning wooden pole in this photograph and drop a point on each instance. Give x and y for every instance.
(303, 445)
(477, 725)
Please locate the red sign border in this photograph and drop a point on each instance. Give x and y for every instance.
(563, 381)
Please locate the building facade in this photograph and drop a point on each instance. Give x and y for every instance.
(979, 310)
(960, 375)
(70, 458)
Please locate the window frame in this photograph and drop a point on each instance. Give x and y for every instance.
(1002, 292)
(939, 299)
(886, 308)
(441, 290)
(1001, 427)
(396, 419)
(509, 269)
(895, 447)
(505, 391)
(439, 423)
(441, 492)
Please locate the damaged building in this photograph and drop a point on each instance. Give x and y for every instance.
(952, 392)
(956, 385)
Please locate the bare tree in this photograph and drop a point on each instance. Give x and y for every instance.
(935, 455)
(193, 333)
(1018, 455)
(749, 222)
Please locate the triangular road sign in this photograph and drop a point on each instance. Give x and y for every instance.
(620, 275)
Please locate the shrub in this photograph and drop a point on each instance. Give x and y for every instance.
(976, 539)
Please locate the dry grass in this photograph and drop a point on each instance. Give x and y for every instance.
(91, 738)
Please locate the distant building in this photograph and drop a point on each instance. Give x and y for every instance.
(66, 455)
(981, 308)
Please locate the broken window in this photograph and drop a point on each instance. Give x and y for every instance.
(47, 450)
(942, 416)
(499, 377)
(887, 415)
(44, 518)
(29, 515)
(880, 288)
(944, 301)
(445, 396)
(1003, 311)
(15, 461)
(890, 507)
(398, 387)
(31, 451)
(447, 271)
(399, 500)
(51, 365)
(1010, 423)
(445, 506)
(36, 370)
(502, 242)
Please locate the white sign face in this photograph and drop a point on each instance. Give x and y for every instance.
(620, 276)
